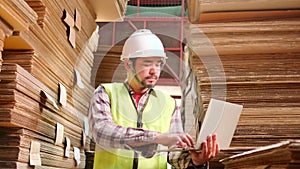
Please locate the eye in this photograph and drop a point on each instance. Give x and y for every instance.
(147, 64)
(158, 64)
(150, 63)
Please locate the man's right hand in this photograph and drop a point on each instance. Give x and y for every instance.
(179, 140)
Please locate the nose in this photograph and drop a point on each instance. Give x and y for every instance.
(154, 69)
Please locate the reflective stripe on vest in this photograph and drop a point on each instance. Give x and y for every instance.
(156, 117)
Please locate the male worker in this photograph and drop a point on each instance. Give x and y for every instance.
(130, 120)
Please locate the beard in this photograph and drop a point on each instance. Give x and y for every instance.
(150, 84)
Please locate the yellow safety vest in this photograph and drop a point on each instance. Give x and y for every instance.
(156, 117)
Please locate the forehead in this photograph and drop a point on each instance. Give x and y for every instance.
(149, 59)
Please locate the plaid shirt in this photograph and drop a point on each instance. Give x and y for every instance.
(108, 134)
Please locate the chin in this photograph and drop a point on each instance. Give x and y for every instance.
(150, 85)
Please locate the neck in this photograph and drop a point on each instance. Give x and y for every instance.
(136, 86)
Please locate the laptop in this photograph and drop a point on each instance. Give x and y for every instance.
(221, 118)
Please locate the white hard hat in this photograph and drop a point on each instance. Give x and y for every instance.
(143, 43)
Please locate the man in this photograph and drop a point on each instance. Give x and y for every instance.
(131, 120)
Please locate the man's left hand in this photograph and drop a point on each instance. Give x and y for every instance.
(209, 149)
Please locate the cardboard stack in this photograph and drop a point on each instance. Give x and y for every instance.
(284, 154)
(107, 59)
(109, 11)
(250, 61)
(45, 83)
(204, 11)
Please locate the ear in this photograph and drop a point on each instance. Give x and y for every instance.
(127, 64)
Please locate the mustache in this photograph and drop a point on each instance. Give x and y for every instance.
(151, 77)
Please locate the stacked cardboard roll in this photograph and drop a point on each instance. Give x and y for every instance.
(254, 63)
(46, 86)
